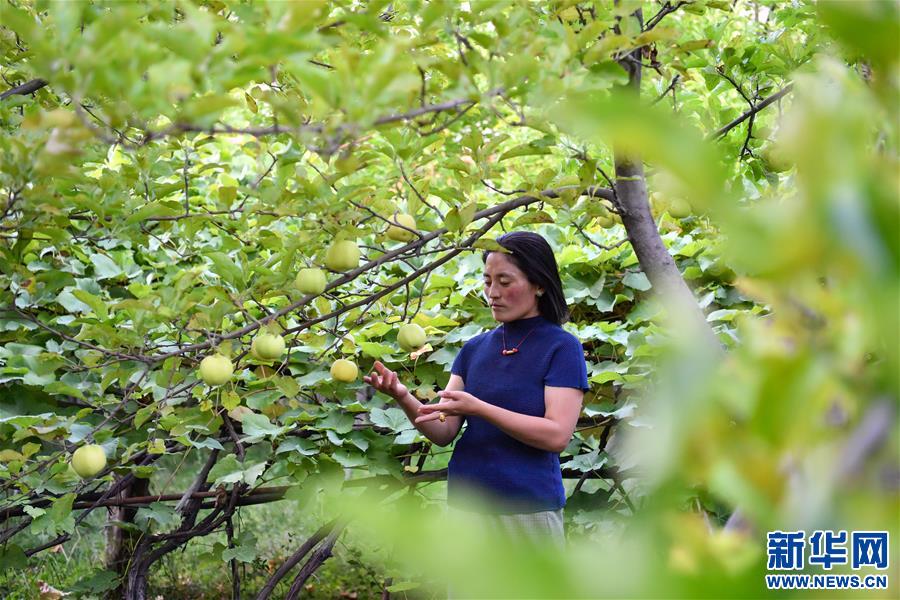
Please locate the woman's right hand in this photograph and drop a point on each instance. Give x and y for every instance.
(385, 380)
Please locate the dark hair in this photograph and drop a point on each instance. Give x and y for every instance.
(533, 255)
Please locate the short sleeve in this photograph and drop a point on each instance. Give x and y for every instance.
(567, 366)
(460, 364)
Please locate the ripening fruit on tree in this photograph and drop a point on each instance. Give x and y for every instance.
(398, 234)
(311, 281)
(606, 221)
(342, 256)
(267, 346)
(604, 217)
(775, 159)
(88, 460)
(659, 204)
(680, 208)
(344, 370)
(411, 337)
(216, 369)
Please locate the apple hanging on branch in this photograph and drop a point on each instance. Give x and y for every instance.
(267, 346)
(411, 337)
(399, 234)
(311, 281)
(216, 369)
(344, 370)
(342, 256)
(88, 460)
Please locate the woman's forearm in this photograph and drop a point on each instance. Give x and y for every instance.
(441, 433)
(539, 432)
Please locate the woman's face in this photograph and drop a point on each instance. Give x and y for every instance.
(508, 292)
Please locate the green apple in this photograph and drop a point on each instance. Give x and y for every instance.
(342, 256)
(267, 346)
(89, 460)
(311, 281)
(659, 204)
(775, 159)
(398, 234)
(680, 208)
(344, 370)
(606, 221)
(411, 337)
(216, 369)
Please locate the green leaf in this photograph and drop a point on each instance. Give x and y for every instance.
(153, 209)
(313, 80)
(391, 418)
(529, 149)
(256, 426)
(12, 557)
(97, 583)
(375, 349)
(403, 586)
(532, 217)
(205, 109)
(489, 244)
(458, 218)
(230, 399)
(226, 470)
(96, 304)
(588, 462)
(72, 304)
(226, 268)
(210, 443)
(244, 550)
(301, 445)
(164, 515)
(251, 103)
(105, 267)
(58, 387)
(337, 421)
(637, 281)
(142, 414)
(288, 386)
(61, 512)
(349, 459)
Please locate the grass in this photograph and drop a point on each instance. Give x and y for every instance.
(192, 572)
(196, 570)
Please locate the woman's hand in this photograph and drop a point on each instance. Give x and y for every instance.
(386, 381)
(453, 403)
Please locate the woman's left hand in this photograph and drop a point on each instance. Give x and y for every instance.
(453, 403)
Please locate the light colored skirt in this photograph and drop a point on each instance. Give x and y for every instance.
(537, 527)
(541, 529)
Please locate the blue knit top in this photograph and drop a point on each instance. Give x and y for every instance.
(512, 476)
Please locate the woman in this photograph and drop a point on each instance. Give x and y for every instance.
(518, 387)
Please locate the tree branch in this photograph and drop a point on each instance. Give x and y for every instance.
(24, 89)
(773, 98)
(320, 555)
(387, 257)
(667, 9)
(295, 558)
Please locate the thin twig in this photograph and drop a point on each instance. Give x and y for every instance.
(759, 106)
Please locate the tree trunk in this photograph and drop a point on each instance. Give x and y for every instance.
(634, 206)
(120, 542)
